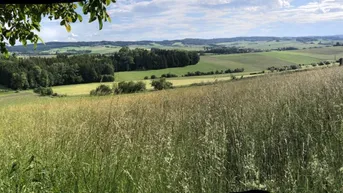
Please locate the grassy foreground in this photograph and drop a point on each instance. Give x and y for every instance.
(283, 133)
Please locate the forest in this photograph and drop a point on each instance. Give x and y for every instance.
(34, 72)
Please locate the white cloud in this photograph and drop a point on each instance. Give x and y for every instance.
(176, 19)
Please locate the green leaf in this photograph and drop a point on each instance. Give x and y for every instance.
(12, 41)
(68, 27)
(85, 9)
(100, 23)
(24, 42)
(108, 17)
(30, 36)
(108, 2)
(92, 17)
(80, 18)
(8, 34)
(63, 22)
(36, 26)
(40, 39)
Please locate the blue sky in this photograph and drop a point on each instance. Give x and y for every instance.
(177, 19)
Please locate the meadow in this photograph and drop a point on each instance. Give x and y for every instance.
(251, 62)
(282, 133)
(254, 62)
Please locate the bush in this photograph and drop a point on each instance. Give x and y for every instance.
(130, 87)
(161, 84)
(321, 64)
(153, 77)
(59, 95)
(107, 78)
(146, 78)
(294, 67)
(43, 91)
(101, 90)
(169, 75)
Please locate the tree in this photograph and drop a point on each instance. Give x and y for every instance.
(19, 22)
(161, 84)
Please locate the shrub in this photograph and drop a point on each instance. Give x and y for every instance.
(161, 84)
(130, 87)
(43, 91)
(146, 78)
(169, 75)
(153, 77)
(59, 95)
(321, 63)
(314, 64)
(294, 67)
(327, 62)
(101, 90)
(107, 78)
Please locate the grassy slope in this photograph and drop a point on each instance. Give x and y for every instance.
(110, 49)
(250, 62)
(84, 89)
(281, 133)
(271, 44)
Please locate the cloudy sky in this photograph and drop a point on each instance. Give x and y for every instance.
(178, 19)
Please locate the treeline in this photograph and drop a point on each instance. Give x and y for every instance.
(230, 50)
(34, 72)
(286, 48)
(228, 71)
(142, 59)
(338, 44)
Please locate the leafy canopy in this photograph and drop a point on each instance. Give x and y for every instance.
(19, 22)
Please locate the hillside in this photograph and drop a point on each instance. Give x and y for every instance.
(173, 43)
(282, 133)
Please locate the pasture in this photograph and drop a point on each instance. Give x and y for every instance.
(84, 89)
(252, 62)
(107, 49)
(282, 133)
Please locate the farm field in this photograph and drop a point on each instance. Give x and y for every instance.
(84, 89)
(105, 49)
(266, 45)
(252, 62)
(278, 132)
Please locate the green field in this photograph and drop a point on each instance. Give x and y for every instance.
(250, 62)
(105, 49)
(281, 133)
(253, 62)
(267, 45)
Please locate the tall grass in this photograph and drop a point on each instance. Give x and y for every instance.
(283, 133)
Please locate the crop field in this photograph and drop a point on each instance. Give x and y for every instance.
(282, 133)
(84, 89)
(252, 62)
(266, 45)
(103, 49)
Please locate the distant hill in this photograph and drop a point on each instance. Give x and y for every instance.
(188, 41)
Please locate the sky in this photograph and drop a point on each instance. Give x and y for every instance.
(134, 20)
